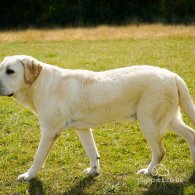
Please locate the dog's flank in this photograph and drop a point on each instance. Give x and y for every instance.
(82, 99)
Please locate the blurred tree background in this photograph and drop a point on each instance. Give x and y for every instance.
(57, 13)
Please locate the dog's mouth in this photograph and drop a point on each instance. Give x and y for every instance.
(10, 95)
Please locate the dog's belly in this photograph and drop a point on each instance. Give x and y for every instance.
(101, 117)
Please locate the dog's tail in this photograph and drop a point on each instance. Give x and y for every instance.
(185, 99)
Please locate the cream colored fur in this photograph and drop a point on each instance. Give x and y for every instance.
(81, 100)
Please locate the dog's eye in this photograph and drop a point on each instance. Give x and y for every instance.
(9, 71)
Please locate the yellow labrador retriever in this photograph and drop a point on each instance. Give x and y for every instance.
(82, 99)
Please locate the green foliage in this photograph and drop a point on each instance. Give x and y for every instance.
(39, 13)
(122, 147)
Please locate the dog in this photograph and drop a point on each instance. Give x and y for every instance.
(82, 99)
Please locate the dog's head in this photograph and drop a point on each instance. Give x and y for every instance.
(16, 72)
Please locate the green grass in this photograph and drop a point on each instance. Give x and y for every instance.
(122, 147)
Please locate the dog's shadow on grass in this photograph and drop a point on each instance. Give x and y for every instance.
(80, 186)
(161, 185)
(36, 186)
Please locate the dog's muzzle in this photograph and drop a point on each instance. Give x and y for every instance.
(10, 95)
(4, 91)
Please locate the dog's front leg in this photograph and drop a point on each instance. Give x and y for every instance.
(45, 145)
(88, 143)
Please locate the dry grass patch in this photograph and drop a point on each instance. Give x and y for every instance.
(99, 33)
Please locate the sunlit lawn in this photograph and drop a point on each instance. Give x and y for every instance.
(122, 147)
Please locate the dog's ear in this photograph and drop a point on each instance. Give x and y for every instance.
(32, 69)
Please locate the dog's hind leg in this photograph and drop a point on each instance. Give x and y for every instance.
(89, 145)
(153, 138)
(179, 127)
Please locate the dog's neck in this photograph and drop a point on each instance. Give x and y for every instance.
(25, 97)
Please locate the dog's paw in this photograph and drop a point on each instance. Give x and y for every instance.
(91, 171)
(25, 177)
(144, 171)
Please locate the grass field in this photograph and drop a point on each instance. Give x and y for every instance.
(122, 147)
